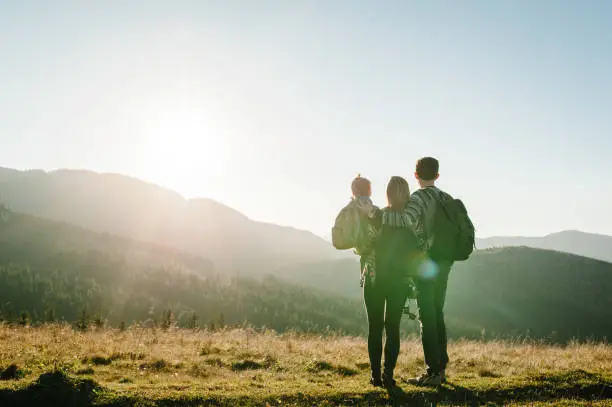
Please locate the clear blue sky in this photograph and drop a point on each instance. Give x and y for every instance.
(272, 107)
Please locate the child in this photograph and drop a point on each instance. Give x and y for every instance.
(353, 230)
(362, 194)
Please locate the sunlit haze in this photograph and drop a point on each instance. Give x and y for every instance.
(272, 107)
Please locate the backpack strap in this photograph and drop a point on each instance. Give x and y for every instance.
(437, 196)
(430, 212)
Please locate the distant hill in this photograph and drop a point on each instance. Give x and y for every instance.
(132, 208)
(32, 240)
(51, 270)
(340, 277)
(504, 292)
(571, 241)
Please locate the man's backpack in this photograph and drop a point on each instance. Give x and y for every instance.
(452, 230)
(348, 231)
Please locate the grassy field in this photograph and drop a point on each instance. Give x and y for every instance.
(56, 365)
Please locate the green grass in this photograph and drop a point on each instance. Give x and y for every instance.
(148, 367)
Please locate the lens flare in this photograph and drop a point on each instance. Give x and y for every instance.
(428, 269)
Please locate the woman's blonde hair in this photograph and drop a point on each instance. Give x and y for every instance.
(398, 193)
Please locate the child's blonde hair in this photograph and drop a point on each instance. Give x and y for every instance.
(361, 186)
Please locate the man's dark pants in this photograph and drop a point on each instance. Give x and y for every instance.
(430, 300)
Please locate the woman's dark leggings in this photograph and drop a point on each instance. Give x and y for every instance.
(384, 304)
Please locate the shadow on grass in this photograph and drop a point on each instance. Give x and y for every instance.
(576, 384)
(53, 389)
(59, 389)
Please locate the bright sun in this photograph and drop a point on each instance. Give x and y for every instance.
(182, 145)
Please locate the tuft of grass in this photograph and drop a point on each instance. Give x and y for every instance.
(487, 373)
(246, 365)
(157, 365)
(12, 372)
(316, 366)
(267, 362)
(200, 371)
(85, 371)
(216, 362)
(270, 361)
(345, 371)
(209, 349)
(100, 360)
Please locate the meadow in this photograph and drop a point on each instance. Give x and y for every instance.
(55, 364)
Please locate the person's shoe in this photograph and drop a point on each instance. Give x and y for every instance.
(427, 379)
(388, 381)
(376, 381)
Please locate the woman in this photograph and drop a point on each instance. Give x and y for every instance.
(387, 284)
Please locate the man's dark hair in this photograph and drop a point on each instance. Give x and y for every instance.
(427, 168)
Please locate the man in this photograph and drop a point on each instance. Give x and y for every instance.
(433, 275)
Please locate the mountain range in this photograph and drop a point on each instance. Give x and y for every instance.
(52, 271)
(128, 207)
(596, 246)
(502, 292)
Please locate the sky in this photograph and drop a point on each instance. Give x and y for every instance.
(272, 107)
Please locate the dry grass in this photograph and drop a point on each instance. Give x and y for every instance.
(244, 364)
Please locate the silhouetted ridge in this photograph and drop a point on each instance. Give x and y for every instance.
(51, 270)
(514, 291)
(593, 245)
(126, 206)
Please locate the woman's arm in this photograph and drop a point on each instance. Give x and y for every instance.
(413, 215)
(370, 211)
(372, 225)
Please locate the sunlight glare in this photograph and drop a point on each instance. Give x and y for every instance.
(182, 146)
